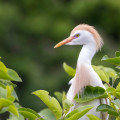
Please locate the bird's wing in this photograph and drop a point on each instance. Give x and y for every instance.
(105, 116)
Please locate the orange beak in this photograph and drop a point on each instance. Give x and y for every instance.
(67, 40)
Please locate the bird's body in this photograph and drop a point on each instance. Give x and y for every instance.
(85, 75)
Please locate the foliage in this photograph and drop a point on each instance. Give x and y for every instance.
(91, 93)
(60, 108)
(111, 82)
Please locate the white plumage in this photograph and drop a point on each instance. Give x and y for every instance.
(85, 75)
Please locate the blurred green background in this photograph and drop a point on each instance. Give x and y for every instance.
(29, 29)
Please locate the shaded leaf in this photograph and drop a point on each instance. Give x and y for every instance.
(78, 113)
(51, 102)
(69, 70)
(30, 114)
(13, 117)
(92, 117)
(3, 92)
(7, 82)
(91, 93)
(108, 109)
(117, 53)
(116, 103)
(59, 96)
(15, 95)
(13, 75)
(47, 114)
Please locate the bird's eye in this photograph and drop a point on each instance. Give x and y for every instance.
(77, 35)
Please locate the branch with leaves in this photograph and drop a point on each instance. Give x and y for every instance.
(59, 106)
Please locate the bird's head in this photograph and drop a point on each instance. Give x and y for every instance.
(83, 34)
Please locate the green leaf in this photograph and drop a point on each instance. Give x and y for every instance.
(13, 117)
(15, 95)
(115, 60)
(117, 53)
(13, 110)
(30, 114)
(7, 103)
(116, 103)
(91, 93)
(59, 96)
(7, 82)
(69, 70)
(2, 85)
(78, 113)
(92, 117)
(13, 75)
(3, 92)
(67, 104)
(108, 109)
(110, 90)
(118, 87)
(117, 91)
(8, 74)
(51, 102)
(47, 114)
(101, 74)
(118, 118)
(3, 67)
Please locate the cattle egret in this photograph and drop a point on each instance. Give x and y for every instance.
(91, 41)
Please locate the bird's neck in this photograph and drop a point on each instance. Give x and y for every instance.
(86, 54)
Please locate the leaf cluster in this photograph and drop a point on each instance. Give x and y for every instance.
(59, 107)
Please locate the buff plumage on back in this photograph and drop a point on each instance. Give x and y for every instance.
(97, 37)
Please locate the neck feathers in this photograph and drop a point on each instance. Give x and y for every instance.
(82, 79)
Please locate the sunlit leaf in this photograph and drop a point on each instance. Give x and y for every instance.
(51, 102)
(110, 90)
(7, 103)
(8, 74)
(13, 110)
(108, 109)
(67, 104)
(78, 113)
(92, 117)
(118, 87)
(69, 70)
(91, 93)
(118, 118)
(29, 114)
(115, 60)
(101, 74)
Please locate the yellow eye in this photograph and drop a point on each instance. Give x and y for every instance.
(77, 35)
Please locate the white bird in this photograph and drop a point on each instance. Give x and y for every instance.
(87, 36)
